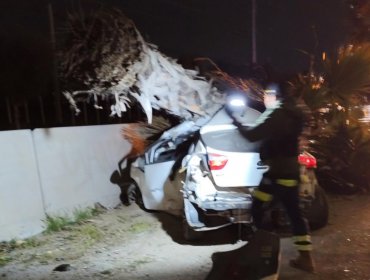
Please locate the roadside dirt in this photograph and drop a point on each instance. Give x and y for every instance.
(128, 243)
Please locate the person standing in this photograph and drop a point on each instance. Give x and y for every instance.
(279, 128)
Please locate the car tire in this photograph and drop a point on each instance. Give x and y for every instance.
(127, 192)
(315, 210)
(317, 213)
(133, 195)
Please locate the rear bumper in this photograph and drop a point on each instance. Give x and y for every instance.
(200, 218)
(223, 204)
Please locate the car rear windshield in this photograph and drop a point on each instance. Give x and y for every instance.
(229, 141)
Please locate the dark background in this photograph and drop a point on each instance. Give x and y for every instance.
(182, 29)
(219, 29)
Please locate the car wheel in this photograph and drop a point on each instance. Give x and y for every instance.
(126, 194)
(133, 195)
(317, 212)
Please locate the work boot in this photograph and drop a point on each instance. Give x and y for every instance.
(304, 262)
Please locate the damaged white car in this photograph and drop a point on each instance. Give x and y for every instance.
(207, 172)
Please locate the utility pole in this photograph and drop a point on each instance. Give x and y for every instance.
(56, 93)
(254, 22)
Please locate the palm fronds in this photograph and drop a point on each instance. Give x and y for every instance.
(348, 75)
(339, 140)
(101, 49)
(344, 76)
(105, 56)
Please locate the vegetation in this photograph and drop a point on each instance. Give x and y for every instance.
(78, 229)
(359, 20)
(91, 233)
(338, 139)
(64, 222)
(6, 247)
(56, 223)
(139, 227)
(334, 99)
(4, 259)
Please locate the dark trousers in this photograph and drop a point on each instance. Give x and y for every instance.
(288, 196)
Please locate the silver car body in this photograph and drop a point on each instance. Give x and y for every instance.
(217, 136)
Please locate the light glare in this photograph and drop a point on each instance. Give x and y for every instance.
(237, 102)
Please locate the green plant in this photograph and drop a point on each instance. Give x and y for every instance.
(139, 227)
(26, 243)
(32, 242)
(57, 223)
(339, 141)
(81, 215)
(4, 259)
(91, 232)
(15, 244)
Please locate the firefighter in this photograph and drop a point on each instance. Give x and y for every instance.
(278, 128)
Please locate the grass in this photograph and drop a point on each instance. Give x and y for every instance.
(78, 228)
(30, 243)
(59, 223)
(140, 227)
(14, 244)
(7, 247)
(4, 259)
(81, 215)
(54, 224)
(90, 232)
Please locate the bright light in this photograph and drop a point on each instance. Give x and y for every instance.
(270, 91)
(237, 102)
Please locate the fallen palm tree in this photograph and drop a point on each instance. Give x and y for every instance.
(104, 57)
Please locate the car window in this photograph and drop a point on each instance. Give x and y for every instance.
(229, 140)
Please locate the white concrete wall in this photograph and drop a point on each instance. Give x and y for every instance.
(56, 171)
(21, 205)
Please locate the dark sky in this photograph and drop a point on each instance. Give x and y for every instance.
(219, 29)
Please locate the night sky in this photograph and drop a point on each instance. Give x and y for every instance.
(221, 29)
(184, 29)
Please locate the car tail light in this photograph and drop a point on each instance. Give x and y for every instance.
(307, 160)
(216, 162)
